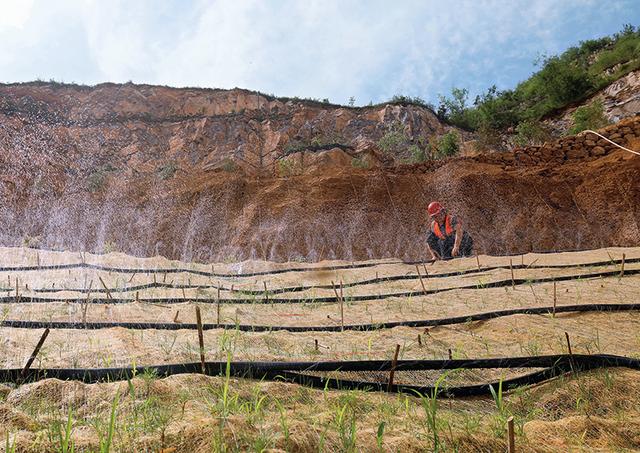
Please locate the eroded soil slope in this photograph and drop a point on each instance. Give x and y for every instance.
(204, 175)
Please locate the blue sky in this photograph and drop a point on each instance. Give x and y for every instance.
(332, 49)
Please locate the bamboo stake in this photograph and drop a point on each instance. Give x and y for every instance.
(131, 279)
(341, 308)
(340, 301)
(86, 304)
(105, 288)
(419, 340)
(200, 339)
(511, 436)
(622, 266)
(424, 289)
(450, 355)
(555, 299)
(266, 293)
(513, 283)
(316, 342)
(138, 296)
(184, 296)
(175, 318)
(426, 273)
(478, 261)
(394, 363)
(34, 354)
(218, 306)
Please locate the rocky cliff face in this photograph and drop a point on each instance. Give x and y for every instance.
(231, 175)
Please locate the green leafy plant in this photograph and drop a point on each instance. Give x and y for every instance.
(447, 145)
(589, 117)
(105, 439)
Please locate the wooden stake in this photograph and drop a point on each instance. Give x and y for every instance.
(266, 293)
(175, 318)
(138, 296)
(511, 436)
(622, 267)
(570, 353)
(340, 301)
(478, 261)
(513, 282)
(555, 299)
(105, 288)
(419, 340)
(133, 275)
(450, 355)
(154, 278)
(34, 354)
(568, 343)
(424, 289)
(394, 363)
(86, 304)
(184, 296)
(218, 305)
(200, 339)
(317, 347)
(341, 309)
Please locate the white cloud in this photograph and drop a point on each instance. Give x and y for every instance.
(336, 49)
(15, 13)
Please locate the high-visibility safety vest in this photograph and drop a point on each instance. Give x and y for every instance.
(447, 228)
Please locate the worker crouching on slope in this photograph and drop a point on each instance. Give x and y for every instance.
(446, 239)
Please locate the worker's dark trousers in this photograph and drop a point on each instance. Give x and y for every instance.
(444, 246)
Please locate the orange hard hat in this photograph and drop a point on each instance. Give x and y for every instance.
(434, 208)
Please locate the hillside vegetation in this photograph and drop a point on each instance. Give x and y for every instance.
(561, 81)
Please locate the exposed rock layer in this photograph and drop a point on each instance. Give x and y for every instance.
(198, 174)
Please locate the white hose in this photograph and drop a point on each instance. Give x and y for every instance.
(612, 142)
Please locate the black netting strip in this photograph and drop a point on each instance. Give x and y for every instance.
(295, 371)
(583, 308)
(325, 299)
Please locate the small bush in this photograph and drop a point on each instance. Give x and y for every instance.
(417, 154)
(394, 139)
(447, 145)
(589, 117)
(167, 171)
(531, 132)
